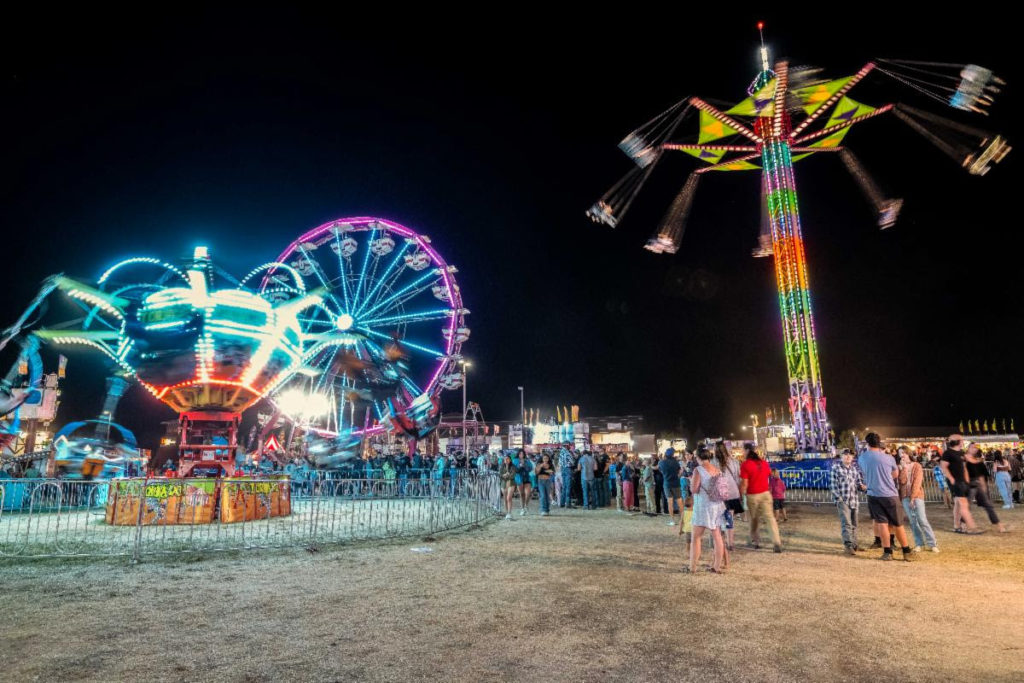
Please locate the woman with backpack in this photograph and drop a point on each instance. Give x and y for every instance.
(708, 509)
(755, 486)
(734, 505)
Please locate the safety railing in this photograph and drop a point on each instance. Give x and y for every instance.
(135, 517)
(812, 486)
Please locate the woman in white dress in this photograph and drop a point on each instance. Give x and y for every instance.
(707, 513)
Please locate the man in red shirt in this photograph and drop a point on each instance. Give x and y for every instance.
(754, 485)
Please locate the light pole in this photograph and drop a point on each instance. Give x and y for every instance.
(753, 428)
(522, 419)
(465, 364)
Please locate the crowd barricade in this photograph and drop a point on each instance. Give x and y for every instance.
(811, 484)
(138, 517)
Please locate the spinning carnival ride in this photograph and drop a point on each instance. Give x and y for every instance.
(790, 114)
(210, 347)
(388, 330)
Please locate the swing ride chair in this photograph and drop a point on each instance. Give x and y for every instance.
(791, 114)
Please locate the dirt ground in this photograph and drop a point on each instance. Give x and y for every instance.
(578, 596)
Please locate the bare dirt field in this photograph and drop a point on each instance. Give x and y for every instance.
(578, 596)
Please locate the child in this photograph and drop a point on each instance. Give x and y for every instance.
(778, 489)
(686, 528)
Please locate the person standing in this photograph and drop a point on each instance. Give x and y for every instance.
(911, 485)
(620, 467)
(846, 483)
(978, 477)
(587, 467)
(880, 473)
(754, 485)
(1001, 470)
(954, 469)
(544, 472)
(707, 513)
(659, 486)
(734, 505)
(669, 468)
(566, 464)
(778, 489)
(940, 481)
(647, 477)
(626, 472)
(601, 478)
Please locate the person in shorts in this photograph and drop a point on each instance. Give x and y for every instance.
(884, 505)
(778, 488)
(670, 468)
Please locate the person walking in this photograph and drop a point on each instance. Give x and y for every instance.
(911, 485)
(880, 473)
(954, 469)
(524, 468)
(845, 484)
(587, 467)
(507, 474)
(754, 485)
(670, 468)
(1001, 470)
(647, 477)
(978, 477)
(707, 513)
(544, 471)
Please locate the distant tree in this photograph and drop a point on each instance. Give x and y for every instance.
(847, 439)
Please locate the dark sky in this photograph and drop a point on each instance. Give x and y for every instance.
(243, 130)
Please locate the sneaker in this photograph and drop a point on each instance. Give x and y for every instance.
(508, 516)
(777, 548)
(876, 545)
(887, 557)
(522, 512)
(916, 549)
(908, 557)
(671, 523)
(850, 551)
(755, 546)
(934, 548)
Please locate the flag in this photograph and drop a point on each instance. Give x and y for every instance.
(969, 429)
(961, 426)
(1012, 428)
(565, 414)
(62, 366)
(1004, 425)
(977, 427)
(985, 425)
(558, 415)
(994, 427)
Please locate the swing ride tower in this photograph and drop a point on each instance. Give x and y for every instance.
(787, 116)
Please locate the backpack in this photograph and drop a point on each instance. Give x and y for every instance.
(718, 488)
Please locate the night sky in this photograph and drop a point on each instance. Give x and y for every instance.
(241, 131)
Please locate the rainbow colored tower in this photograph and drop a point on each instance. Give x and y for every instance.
(806, 396)
(761, 134)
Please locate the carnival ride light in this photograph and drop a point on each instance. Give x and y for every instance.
(770, 125)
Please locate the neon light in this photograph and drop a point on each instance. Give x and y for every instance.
(408, 317)
(405, 342)
(398, 257)
(400, 292)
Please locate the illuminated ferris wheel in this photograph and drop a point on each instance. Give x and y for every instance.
(387, 336)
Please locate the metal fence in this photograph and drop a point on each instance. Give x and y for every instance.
(54, 518)
(815, 486)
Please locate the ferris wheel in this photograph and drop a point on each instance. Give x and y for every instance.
(391, 324)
